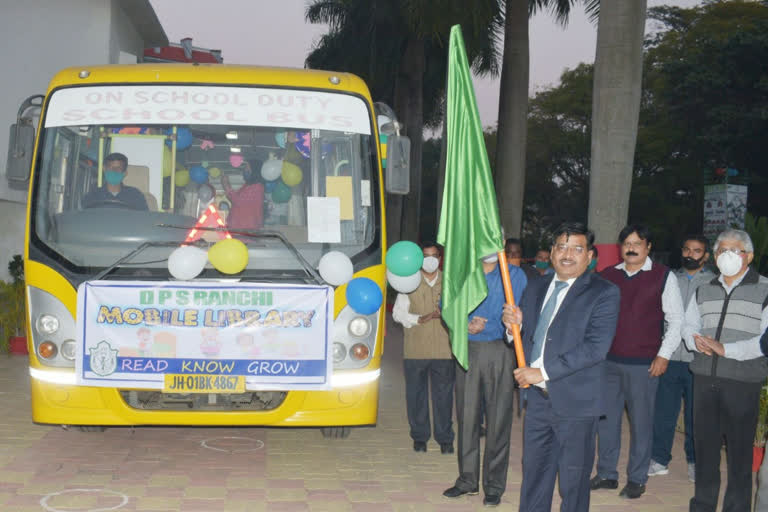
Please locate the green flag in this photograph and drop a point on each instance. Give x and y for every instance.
(469, 219)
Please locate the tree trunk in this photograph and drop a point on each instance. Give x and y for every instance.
(409, 106)
(615, 112)
(513, 119)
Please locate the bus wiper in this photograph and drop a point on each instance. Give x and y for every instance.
(259, 233)
(130, 255)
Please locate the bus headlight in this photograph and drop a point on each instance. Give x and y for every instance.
(47, 324)
(360, 351)
(339, 352)
(359, 327)
(68, 350)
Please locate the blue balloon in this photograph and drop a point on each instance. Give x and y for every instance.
(198, 174)
(364, 296)
(270, 186)
(183, 138)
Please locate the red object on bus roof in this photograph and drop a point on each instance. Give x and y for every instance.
(183, 52)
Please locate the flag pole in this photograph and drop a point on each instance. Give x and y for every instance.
(510, 295)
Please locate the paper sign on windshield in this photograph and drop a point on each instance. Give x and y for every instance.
(190, 338)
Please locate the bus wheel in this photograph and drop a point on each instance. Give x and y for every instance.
(336, 432)
(91, 428)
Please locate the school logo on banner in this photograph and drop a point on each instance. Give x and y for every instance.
(103, 359)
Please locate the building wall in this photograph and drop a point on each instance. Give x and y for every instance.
(43, 36)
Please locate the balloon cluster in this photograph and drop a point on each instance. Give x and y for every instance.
(280, 177)
(404, 260)
(228, 256)
(363, 295)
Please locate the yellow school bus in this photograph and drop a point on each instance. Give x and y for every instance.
(135, 173)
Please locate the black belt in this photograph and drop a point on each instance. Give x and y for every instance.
(543, 392)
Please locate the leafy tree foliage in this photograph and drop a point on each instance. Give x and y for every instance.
(704, 106)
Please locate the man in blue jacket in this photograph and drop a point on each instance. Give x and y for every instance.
(568, 322)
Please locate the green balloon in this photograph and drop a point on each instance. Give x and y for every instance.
(404, 258)
(281, 193)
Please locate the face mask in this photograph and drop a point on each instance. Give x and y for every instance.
(729, 264)
(491, 258)
(692, 263)
(430, 264)
(542, 264)
(113, 177)
(592, 265)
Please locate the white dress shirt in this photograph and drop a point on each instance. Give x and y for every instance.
(671, 305)
(539, 363)
(738, 350)
(401, 310)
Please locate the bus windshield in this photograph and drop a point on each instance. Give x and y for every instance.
(123, 165)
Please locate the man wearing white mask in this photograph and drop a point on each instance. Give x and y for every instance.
(428, 359)
(724, 324)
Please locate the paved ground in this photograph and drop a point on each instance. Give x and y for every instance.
(254, 469)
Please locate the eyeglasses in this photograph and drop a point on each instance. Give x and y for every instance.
(737, 252)
(638, 243)
(563, 248)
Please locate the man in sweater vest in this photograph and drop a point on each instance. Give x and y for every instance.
(677, 381)
(428, 357)
(724, 325)
(639, 354)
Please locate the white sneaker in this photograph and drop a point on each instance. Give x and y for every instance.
(656, 469)
(691, 471)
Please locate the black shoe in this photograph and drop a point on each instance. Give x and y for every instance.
(455, 492)
(419, 446)
(491, 500)
(632, 490)
(603, 483)
(446, 448)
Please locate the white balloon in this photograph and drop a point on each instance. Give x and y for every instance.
(272, 169)
(186, 262)
(335, 268)
(405, 284)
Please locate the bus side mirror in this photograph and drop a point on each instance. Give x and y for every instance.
(21, 144)
(398, 171)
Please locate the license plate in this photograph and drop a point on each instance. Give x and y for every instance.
(175, 383)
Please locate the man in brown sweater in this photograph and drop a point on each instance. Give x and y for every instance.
(428, 357)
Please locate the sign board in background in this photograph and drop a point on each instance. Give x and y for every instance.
(725, 206)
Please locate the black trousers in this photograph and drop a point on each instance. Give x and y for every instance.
(724, 409)
(555, 446)
(425, 377)
(488, 379)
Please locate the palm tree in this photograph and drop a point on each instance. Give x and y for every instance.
(615, 113)
(400, 48)
(513, 105)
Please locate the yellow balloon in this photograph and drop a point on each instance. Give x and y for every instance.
(229, 256)
(292, 175)
(214, 172)
(182, 178)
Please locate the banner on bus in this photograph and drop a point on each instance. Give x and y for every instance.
(204, 338)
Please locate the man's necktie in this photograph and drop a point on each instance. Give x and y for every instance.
(544, 319)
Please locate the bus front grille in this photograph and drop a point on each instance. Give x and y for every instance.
(157, 401)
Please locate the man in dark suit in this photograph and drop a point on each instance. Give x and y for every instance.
(568, 322)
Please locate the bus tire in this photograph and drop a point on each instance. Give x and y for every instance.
(91, 428)
(336, 432)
